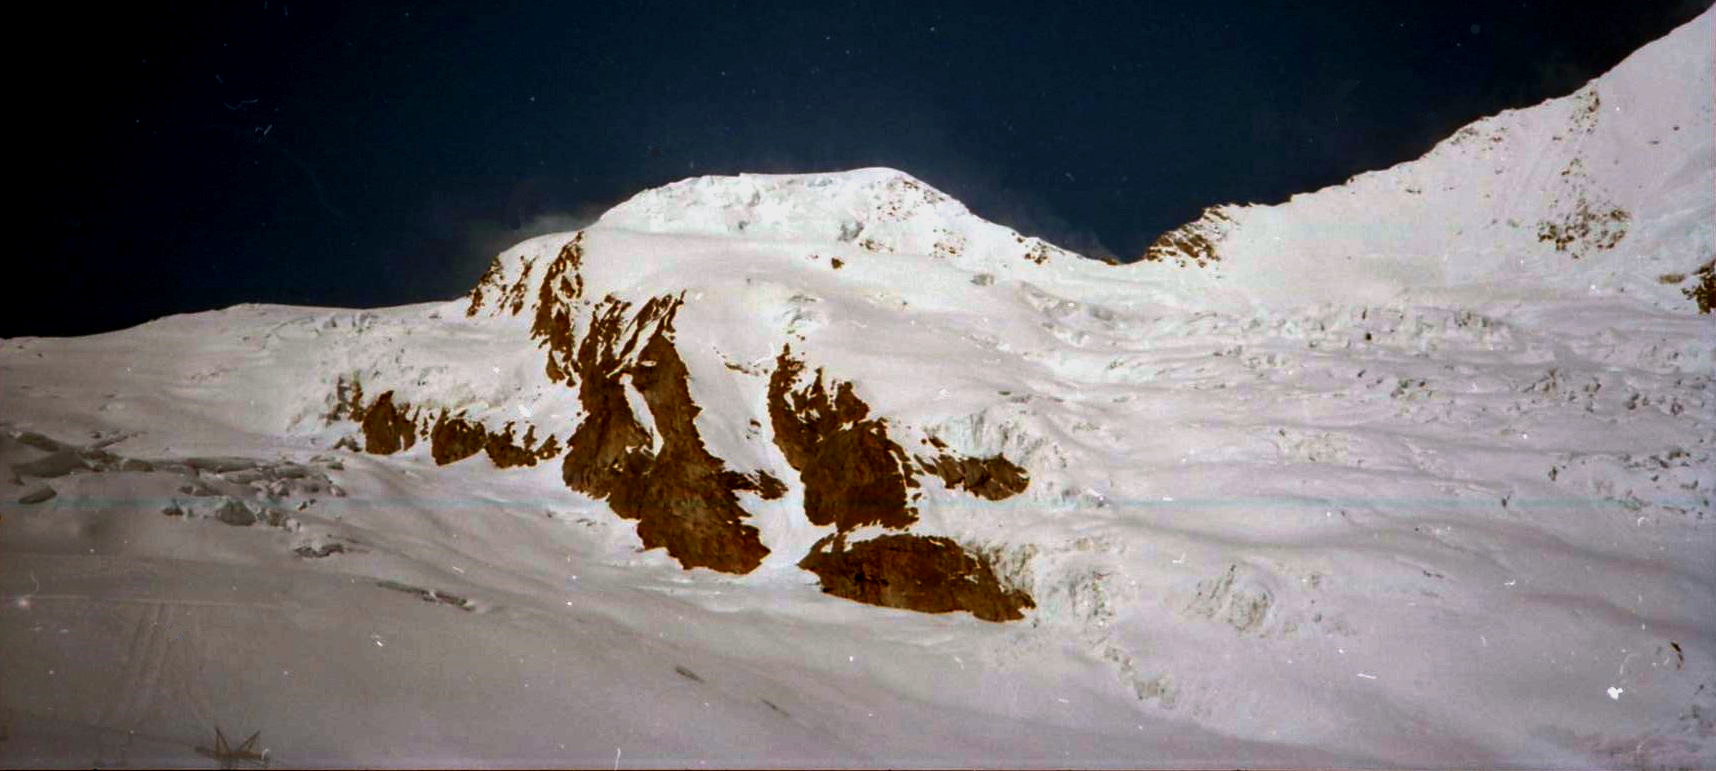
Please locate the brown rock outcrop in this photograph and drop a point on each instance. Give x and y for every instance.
(556, 300)
(682, 496)
(505, 452)
(453, 439)
(929, 574)
(386, 428)
(1703, 292)
(994, 478)
(853, 474)
(479, 293)
(1194, 243)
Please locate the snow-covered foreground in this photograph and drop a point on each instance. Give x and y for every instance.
(1389, 525)
(1279, 544)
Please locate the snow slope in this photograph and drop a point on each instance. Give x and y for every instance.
(1295, 510)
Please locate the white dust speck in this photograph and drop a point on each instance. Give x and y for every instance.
(1367, 677)
(1615, 693)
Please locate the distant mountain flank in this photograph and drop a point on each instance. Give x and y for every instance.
(730, 345)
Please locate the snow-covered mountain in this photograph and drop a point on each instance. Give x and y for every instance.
(1415, 470)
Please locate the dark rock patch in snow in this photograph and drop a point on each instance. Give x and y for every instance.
(1703, 292)
(320, 551)
(40, 442)
(556, 300)
(429, 595)
(57, 464)
(386, 429)
(682, 496)
(853, 473)
(994, 478)
(1193, 243)
(453, 439)
(505, 452)
(930, 574)
(688, 674)
(1585, 228)
(233, 512)
(220, 465)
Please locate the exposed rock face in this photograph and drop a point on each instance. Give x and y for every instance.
(506, 453)
(923, 573)
(610, 445)
(506, 297)
(562, 287)
(681, 496)
(853, 474)
(1703, 292)
(454, 439)
(386, 429)
(348, 400)
(993, 478)
(479, 293)
(1193, 243)
(1582, 218)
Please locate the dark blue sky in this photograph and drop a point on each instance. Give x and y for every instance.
(187, 156)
